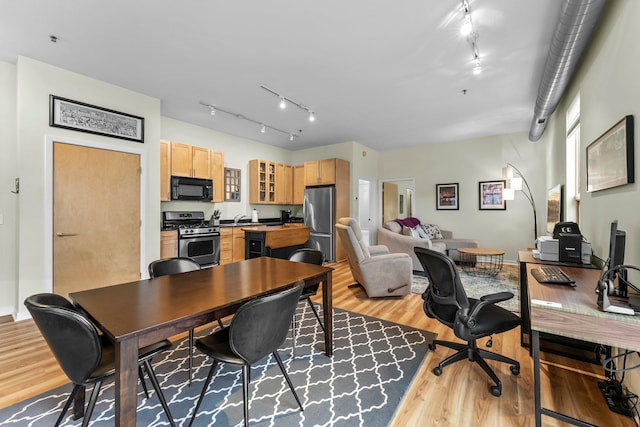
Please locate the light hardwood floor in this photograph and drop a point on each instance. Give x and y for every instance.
(459, 397)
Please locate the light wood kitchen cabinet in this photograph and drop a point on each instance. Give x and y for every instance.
(298, 185)
(226, 245)
(262, 182)
(168, 244)
(217, 174)
(188, 160)
(238, 244)
(323, 172)
(284, 184)
(165, 171)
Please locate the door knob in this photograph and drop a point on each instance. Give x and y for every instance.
(61, 234)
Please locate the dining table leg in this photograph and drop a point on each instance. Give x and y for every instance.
(126, 382)
(327, 306)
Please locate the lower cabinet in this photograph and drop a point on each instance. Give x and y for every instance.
(226, 245)
(231, 244)
(238, 244)
(168, 244)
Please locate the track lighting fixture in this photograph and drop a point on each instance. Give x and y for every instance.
(284, 100)
(263, 127)
(471, 34)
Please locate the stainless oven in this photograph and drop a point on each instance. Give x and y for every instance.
(197, 239)
(200, 244)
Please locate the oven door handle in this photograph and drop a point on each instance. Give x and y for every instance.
(193, 236)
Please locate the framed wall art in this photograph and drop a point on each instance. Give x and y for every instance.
(610, 157)
(447, 196)
(554, 207)
(491, 195)
(68, 114)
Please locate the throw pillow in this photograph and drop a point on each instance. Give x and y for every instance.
(432, 231)
(421, 233)
(407, 231)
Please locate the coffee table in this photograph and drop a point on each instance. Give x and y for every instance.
(481, 261)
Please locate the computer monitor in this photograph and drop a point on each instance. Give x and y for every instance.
(616, 257)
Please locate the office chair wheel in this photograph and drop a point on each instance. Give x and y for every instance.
(432, 346)
(515, 370)
(437, 370)
(496, 390)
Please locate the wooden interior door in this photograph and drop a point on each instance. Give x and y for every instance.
(389, 201)
(96, 218)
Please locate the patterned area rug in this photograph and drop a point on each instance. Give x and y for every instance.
(373, 365)
(477, 286)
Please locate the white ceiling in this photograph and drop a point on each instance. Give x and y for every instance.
(384, 73)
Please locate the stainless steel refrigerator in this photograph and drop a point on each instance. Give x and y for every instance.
(319, 213)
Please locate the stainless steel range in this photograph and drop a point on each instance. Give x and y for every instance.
(196, 238)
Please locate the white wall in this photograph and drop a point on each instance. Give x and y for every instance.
(608, 85)
(35, 82)
(468, 163)
(8, 200)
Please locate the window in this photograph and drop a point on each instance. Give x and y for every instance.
(572, 188)
(231, 185)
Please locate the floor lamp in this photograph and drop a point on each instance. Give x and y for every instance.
(515, 179)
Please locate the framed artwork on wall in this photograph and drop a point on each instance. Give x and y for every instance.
(610, 157)
(68, 114)
(554, 207)
(491, 195)
(447, 196)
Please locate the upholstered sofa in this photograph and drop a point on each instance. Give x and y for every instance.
(391, 235)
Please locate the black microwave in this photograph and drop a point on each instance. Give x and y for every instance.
(184, 188)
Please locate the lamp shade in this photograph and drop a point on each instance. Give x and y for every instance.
(508, 194)
(516, 183)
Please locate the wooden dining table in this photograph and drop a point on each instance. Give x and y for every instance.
(140, 313)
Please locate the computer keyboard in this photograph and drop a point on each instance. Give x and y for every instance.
(552, 274)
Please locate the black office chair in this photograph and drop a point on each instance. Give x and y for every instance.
(446, 301)
(85, 356)
(168, 266)
(257, 329)
(310, 256)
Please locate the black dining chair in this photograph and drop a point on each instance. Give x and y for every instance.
(85, 356)
(310, 256)
(257, 329)
(168, 266)
(471, 319)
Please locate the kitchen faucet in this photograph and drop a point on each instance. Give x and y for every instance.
(238, 218)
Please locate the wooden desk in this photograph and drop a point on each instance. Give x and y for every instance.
(139, 313)
(559, 345)
(578, 317)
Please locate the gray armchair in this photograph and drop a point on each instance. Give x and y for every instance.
(380, 273)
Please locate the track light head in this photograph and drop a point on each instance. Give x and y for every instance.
(213, 111)
(263, 129)
(312, 117)
(283, 103)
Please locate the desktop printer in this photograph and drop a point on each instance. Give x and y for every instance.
(568, 247)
